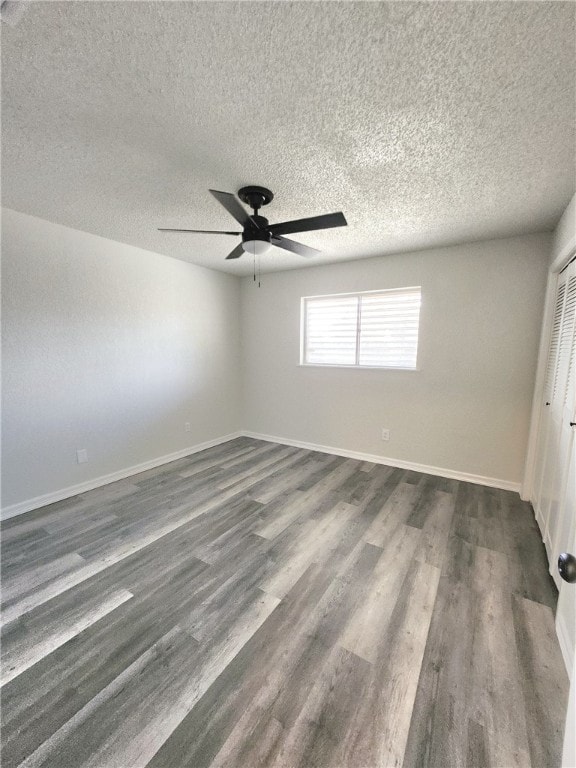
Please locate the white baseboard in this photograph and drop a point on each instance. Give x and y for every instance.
(539, 520)
(89, 485)
(74, 490)
(493, 482)
(565, 644)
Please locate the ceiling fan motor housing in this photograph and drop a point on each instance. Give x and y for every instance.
(262, 233)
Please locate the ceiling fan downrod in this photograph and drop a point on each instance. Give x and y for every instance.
(255, 197)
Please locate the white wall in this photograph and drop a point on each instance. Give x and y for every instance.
(468, 407)
(110, 348)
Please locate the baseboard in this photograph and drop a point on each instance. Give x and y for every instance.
(565, 645)
(541, 525)
(493, 482)
(97, 482)
(74, 490)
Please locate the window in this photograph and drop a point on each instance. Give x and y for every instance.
(377, 329)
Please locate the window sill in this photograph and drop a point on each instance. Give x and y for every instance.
(357, 367)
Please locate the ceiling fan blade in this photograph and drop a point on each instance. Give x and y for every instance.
(236, 253)
(291, 245)
(326, 221)
(234, 208)
(199, 231)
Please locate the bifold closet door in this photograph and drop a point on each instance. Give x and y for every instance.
(563, 504)
(555, 450)
(542, 481)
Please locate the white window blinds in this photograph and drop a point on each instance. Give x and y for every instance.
(378, 329)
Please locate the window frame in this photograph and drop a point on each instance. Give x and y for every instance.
(356, 294)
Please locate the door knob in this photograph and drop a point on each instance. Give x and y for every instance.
(567, 567)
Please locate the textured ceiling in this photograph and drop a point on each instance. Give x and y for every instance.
(426, 123)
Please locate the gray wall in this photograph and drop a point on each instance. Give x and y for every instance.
(110, 348)
(468, 407)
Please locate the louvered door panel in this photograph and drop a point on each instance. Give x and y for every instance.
(554, 342)
(568, 341)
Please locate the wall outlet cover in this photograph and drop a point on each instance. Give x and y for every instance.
(82, 455)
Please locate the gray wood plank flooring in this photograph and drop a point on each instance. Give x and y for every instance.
(261, 605)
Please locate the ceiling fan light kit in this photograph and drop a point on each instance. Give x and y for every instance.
(256, 247)
(258, 236)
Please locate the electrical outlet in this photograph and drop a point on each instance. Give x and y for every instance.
(385, 434)
(82, 455)
(187, 426)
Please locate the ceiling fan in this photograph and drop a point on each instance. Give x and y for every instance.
(257, 234)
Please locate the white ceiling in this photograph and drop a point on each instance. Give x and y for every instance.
(425, 123)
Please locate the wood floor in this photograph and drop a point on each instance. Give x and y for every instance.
(262, 605)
